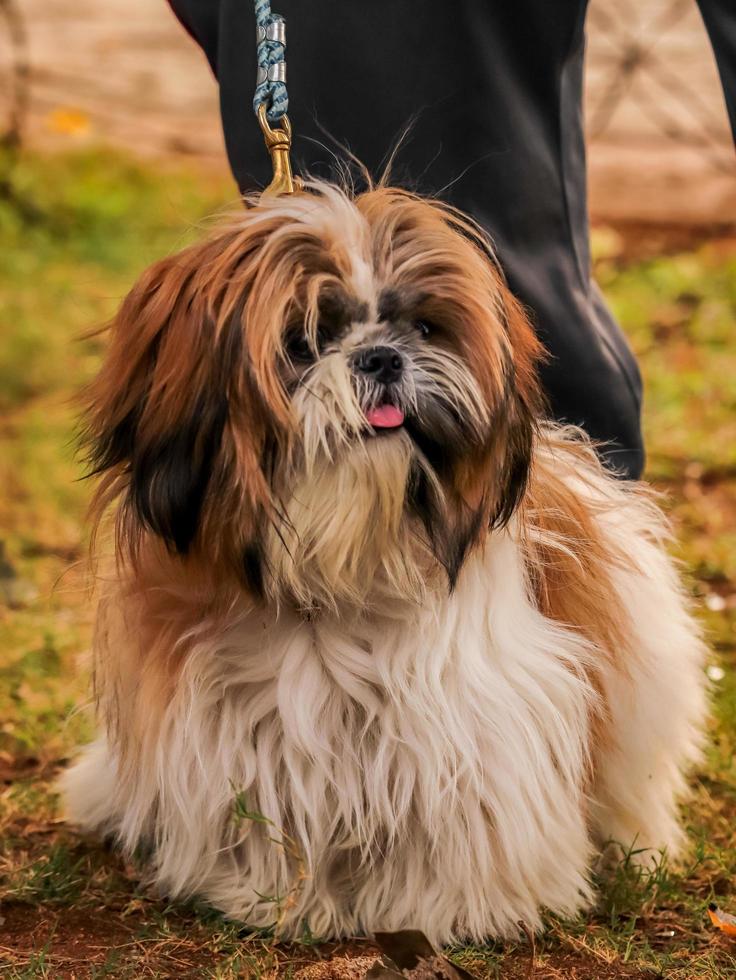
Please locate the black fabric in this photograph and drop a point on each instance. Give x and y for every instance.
(720, 20)
(494, 92)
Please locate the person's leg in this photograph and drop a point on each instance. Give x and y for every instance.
(495, 91)
(720, 21)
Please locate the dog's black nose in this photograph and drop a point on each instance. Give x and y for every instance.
(383, 364)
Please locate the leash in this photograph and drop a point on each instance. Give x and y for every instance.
(271, 99)
(271, 55)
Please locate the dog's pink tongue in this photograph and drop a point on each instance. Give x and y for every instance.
(385, 417)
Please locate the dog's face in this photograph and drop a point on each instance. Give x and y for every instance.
(326, 396)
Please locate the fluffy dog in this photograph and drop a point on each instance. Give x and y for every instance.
(360, 586)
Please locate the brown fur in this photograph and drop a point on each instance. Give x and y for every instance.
(139, 652)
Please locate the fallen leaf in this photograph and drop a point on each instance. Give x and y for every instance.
(722, 920)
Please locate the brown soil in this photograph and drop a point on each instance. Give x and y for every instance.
(570, 966)
(562, 966)
(75, 935)
(78, 942)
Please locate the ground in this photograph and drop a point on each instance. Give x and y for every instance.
(74, 231)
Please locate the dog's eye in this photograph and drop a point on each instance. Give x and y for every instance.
(424, 327)
(298, 348)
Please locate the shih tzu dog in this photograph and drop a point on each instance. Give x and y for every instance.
(435, 647)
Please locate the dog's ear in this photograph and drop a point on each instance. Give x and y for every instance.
(176, 426)
(518, 411)
(489, 484)
(484, 483)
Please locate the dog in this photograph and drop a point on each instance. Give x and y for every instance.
(433, 650)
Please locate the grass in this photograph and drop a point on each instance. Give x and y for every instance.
(71, 908)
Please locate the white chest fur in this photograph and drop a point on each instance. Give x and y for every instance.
(436, 756)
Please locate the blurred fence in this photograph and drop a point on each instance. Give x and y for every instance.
(638, 61)
(124, 71)
(659, 144)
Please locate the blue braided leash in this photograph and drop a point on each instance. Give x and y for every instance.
(271, 50)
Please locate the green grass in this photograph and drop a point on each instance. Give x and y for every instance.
(89, 223)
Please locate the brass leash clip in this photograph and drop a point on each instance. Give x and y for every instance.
(278, 144)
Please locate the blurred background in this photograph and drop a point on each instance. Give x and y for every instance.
(124, 72)
(111, 154)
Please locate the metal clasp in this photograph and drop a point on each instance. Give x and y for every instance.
(275, 31)
(278, 144)
(274, 73)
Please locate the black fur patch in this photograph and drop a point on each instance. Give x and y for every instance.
(254, 568)
(169, 478)
(449, 541)
(441, 442)
(399, 304)
(112, 446)
(337, 310)
(442, 435)
(516, 471)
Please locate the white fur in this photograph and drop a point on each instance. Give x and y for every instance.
(428, 759)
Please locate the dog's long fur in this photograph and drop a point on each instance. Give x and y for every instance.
(447, 662)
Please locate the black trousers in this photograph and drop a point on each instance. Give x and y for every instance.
(495, 89)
